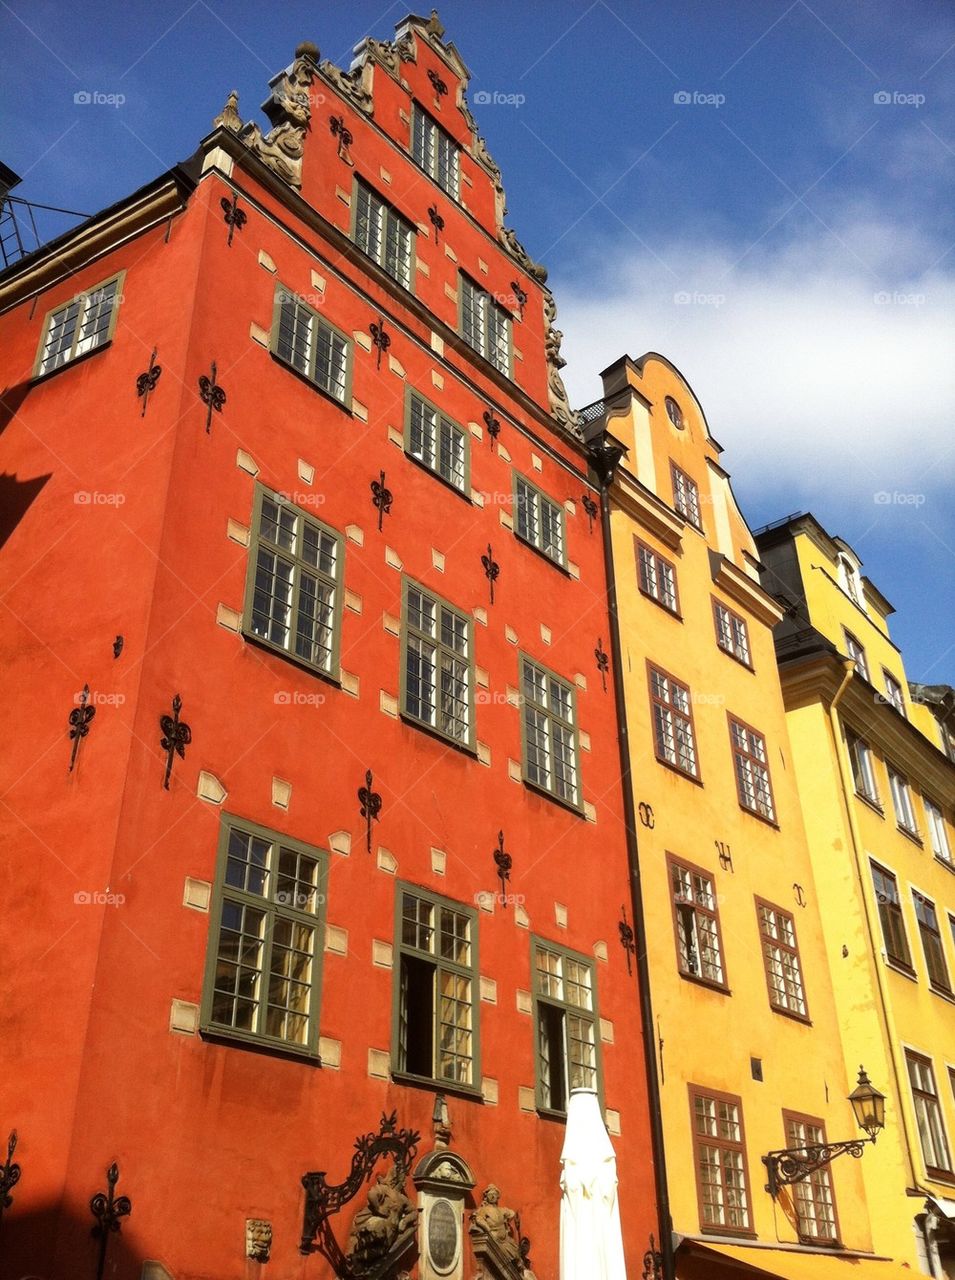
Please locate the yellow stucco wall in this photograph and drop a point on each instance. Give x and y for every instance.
(707, 1037)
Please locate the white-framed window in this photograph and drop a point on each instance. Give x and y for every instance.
(437, 441)
(902, 801)
(935, 821)
(438, 675)
(696, 915)
(435, 151)
(550, 732)
(303, 340)
(80, 325)
(863, 771)
(539, 520)
(893, 691)
(485, 326)
(856, 651)
(566, 1014)
(751, 765)
(673, 736)
(928, 1113)
(657, 577)
(720, 1157)
(732, 634)
(850, 580)
(384, 235)
(686, 496)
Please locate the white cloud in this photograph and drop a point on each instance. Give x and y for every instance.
(828, 357)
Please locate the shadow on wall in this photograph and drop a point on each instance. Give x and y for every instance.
(16, 497)
(55, 1244)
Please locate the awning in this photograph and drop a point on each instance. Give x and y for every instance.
(699, 1261)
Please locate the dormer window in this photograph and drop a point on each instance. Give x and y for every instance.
(435, 151)
(849, 580)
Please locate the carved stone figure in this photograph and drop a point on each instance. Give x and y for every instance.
(229, 116)
(258, 1239)
(289, 108)
(499, 1223)
(387, 1215)
(517, 251)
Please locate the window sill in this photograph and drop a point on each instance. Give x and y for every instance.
(911, 835)
(738, 1233)
(303, 665)
(940, 1175)
(899, 967)
(556, 564)
(466, 748)
(770, 822)
(673, 613)
(548, 1113)
(411, 1081)
(943, 993)
(576, 809)
(313, 386)
(736, 658)
(946, 863)
(719, 987)
(680, 773)
(804, 1018)
(230, 1039)
(872, 802)
(70, 364)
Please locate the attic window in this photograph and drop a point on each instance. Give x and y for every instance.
(674, 413)
(435, 151)
(850, 579)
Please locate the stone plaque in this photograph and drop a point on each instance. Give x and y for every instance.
(443, 1237)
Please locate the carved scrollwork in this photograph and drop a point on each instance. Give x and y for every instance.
(289, 108)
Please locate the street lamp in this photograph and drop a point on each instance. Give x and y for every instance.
(795, 1164)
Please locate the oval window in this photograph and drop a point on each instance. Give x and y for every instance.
(674, 412)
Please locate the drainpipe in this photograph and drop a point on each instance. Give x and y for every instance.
(848, 787)
(604, 459)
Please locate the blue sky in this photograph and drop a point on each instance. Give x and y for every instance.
(759, 189)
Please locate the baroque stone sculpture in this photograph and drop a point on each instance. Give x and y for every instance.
(258, 1239)
(289, 108)
(386, 1217)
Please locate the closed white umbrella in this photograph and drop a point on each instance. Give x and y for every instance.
(591, 1242)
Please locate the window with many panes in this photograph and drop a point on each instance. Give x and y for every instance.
(813, 1197)
(893, 691)
(437, 441)
(863, 771)
(938, 836)
(732, 634)
(673, 737)
(266, 940)
(311, 346)
(550, 732)
(539, 521)
(856, 651)
(485, 326)
(436, 988)
(720, 1159)
(891, 919)
(435, 151)
(79, 326)
(777, 932)
(902, 801)
(686, 496)
(384, 235)
(932, 946)
(437, 664)
(656, 577)
(294, 592)
(696, 918)
(565, 1004)
(751, 766)
(928, 1114)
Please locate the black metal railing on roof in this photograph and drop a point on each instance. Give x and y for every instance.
(19, 233)
(591, 412)
(778, 524)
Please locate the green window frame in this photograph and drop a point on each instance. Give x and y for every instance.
(539, 520)
(437, 442)
(485, 326)
(437, 664)
(436, 1017)
(266, 941)
(294, 586)
(549, 734)
(435, 151)
(75, 328)
(566, 1024)
(311, 346)
(383, 234)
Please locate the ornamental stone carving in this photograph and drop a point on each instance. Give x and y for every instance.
(517, 251)
(258, 1239)
(497, 1241)
(229, 117)
(289, 108)
(557, 392)
(384, 1226)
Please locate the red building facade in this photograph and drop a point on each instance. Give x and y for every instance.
(298, 511)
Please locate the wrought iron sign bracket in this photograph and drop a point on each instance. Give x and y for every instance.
(796, 1164)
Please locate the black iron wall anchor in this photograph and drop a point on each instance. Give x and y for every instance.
(645, 814)
(504, 863)
(491, 569)
(492, 424)
(9, 1174)
(591, 509)
(80, 718)
(437, 83)
(118, 646)
(176, 736)
(211, 395)
(341, 131)
(381, 498)
(724, 855)
(234, 217)
(146, 382)
(602, 662)
(370, 802)
(323, 1199)
(520, 297)
(380, 339)
(627, 940)
(108, 1209)
(652, 1262)
(436, 221)
(799, 894)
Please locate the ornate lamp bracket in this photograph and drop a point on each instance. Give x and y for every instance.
(796, 1164)
(652, 1263)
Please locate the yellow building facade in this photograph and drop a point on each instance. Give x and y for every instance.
(748, 1051)
(875, 769)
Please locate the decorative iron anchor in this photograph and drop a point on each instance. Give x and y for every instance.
(80, 718)
(234, 217)
(211, 395)
(146, 382)
(9, 1174)
(504, 863)
(602, 662)
(491, 569)
(176, 737)
(370, 802)
(381, 498)
(627, 940)
(591, 509)
(381, 339)
(108, 1210)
